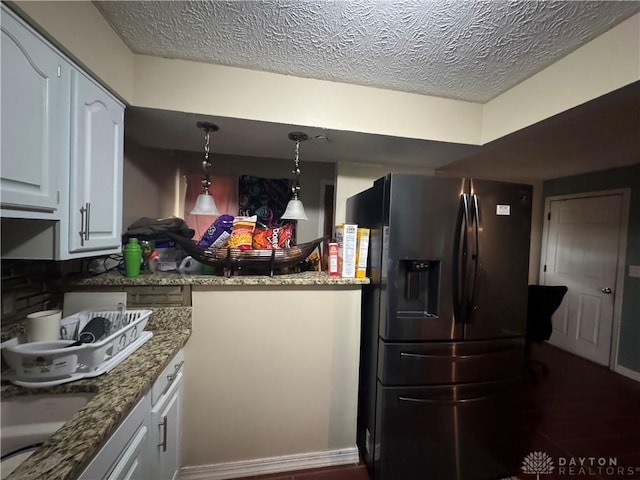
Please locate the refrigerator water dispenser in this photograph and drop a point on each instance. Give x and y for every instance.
(421, 287)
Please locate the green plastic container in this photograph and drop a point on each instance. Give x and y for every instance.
(132, 258)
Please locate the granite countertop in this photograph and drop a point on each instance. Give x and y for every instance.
(65, 455)
(167, 278)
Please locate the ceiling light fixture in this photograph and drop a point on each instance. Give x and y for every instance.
(205, 204)
(295, 209)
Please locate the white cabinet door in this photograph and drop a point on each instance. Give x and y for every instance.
(132, 463)
(95, 183)
(166, 419)
(35, 85)
(125, 453)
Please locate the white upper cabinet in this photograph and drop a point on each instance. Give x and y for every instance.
(95, 182)
(35, 122)
(62, 150)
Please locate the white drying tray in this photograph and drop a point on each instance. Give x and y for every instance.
(91, 357)
(104, 367)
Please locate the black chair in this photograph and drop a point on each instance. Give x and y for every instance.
(543, 301)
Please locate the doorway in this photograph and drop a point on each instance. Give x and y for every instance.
(584, 243)
(327, 195)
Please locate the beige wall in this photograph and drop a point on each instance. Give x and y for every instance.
(154, 186)
(149, 184)
(81, 32)
(353, 178)
(606, 63)
(271, 372)
(239, 93)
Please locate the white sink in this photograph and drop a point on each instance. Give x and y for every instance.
(28, 421)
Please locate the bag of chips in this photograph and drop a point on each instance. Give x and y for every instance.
(218, 232)
(242, 232)
(273, 237)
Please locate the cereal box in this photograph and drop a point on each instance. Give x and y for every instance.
(346, 237)
(362, 252)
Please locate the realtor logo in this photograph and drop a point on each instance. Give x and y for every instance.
(537, 463)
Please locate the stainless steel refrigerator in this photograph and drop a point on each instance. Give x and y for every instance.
(443, 324)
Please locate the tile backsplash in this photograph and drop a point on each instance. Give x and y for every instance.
(29, 286)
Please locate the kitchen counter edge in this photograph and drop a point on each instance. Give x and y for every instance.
(68, 452)
(171, 278)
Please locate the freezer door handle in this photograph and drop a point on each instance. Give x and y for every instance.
(460, 260)
(456, 357)
(446, 401)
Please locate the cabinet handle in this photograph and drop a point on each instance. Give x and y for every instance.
(172, 376)
(83, 224)
(164, 434)
(88, 219)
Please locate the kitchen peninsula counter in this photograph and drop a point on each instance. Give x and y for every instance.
(271, 369)
(173, 278)
(65, 455)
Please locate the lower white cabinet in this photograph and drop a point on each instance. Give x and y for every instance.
(166, 424)
(166, 431)
(123, 455)
(146, 445)
(133, 462)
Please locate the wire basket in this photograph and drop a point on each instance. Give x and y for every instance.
(266, 260)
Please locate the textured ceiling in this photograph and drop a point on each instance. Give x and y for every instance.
(465, 49)
(471, 50)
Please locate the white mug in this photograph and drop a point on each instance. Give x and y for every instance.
(44, 326)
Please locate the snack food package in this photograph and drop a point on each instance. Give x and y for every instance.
(332, 265)
(218, 232)
(362, 251)
(242, 232)
(273, 237)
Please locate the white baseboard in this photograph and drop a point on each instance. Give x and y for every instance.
(262, 466)
(627, 372)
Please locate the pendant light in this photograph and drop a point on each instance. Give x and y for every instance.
(295, 209)
(205, 204)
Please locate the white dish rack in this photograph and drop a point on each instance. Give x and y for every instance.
(55, 366)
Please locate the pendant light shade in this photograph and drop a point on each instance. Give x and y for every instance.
(295, 209)
(205, 204)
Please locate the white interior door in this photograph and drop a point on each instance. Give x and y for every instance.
(582, 253)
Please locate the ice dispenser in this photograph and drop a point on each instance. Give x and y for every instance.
(421, 287)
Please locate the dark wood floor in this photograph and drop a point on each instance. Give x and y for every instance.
(579, 410)
(582, 410)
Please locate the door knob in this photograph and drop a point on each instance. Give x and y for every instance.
(606, 290)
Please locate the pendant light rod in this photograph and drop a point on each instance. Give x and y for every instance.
(295, 209)
(298, 136)
(207, 126)
(205, 205)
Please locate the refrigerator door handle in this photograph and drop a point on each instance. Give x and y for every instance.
(460, 260)
(475, 256)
